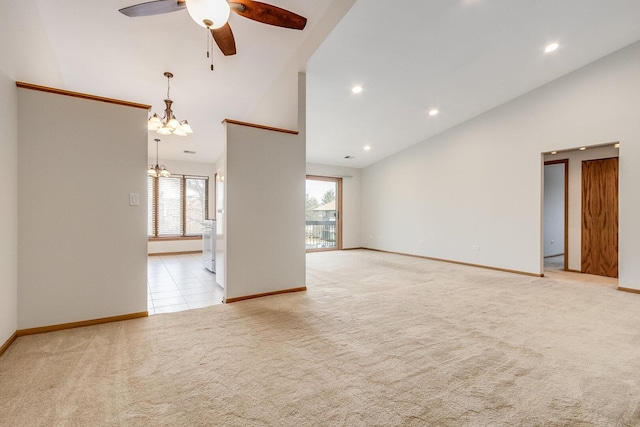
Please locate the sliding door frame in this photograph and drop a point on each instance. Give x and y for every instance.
(338, 182)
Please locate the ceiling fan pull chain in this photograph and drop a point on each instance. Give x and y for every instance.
(212, 44)
(207, 33)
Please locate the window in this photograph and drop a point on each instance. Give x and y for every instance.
(177, 205)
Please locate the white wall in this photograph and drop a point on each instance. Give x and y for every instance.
(264, 179)
(553, 210)
(576, 157)
(264, 211)
(82, 248)
(221, 223)
(8, 208)
(23, 33)
(279, 105)
(479, 184)
(350, 200)
(185, 168)
(629, 210)
(173, 246)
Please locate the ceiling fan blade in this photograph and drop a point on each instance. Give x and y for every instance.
(153, 8)
(224, 38)
(268, 14)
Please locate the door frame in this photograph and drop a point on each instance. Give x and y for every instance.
(338, 182)
(566, 207)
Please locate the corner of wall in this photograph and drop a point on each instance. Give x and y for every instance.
(8, 209)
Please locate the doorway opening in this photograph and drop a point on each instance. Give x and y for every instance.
(323, 222)
(556, 215)
(177, 277)
(580, 197)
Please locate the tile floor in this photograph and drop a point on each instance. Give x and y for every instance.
(180, 282)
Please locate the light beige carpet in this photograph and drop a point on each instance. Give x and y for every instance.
(378, 339)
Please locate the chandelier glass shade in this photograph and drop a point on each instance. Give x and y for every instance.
(168, 124)
(157, 169)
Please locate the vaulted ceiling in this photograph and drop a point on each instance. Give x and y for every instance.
(462, 57)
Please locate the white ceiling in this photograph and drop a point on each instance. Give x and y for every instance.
(90, 47)
(463, 57)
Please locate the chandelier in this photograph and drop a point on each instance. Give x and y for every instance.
(158, 169)
(168, 124)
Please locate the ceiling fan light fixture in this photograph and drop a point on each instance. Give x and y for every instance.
(211, 14)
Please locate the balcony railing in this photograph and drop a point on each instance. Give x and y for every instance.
(320, 234)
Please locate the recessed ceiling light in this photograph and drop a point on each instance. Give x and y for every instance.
(433, 112)
(554, 152)
(616, 145)
(551, 47)
(583, 148)
(367, 147)
(356, 89)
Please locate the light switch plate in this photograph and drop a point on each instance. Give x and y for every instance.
(134, 199)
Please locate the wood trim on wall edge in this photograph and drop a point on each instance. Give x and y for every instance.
(8, 342)
(30, 86)
(630, 290)
(266, 294)
(174, 253)
(80, 324)
(173, 239)
(486, 267)
(254, 125)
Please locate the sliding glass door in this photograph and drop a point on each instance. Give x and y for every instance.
(323, 217)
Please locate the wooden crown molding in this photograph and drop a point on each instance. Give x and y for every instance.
(253, 125)
(81, 95)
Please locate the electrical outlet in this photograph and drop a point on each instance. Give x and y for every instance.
(475, 248)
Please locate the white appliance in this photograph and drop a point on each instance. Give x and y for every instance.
(209, 244)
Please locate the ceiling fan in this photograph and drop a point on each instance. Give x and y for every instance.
(214, 15)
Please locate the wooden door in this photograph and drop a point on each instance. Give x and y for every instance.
(600, 217)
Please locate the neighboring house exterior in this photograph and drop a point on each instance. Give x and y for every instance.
(326, 212)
